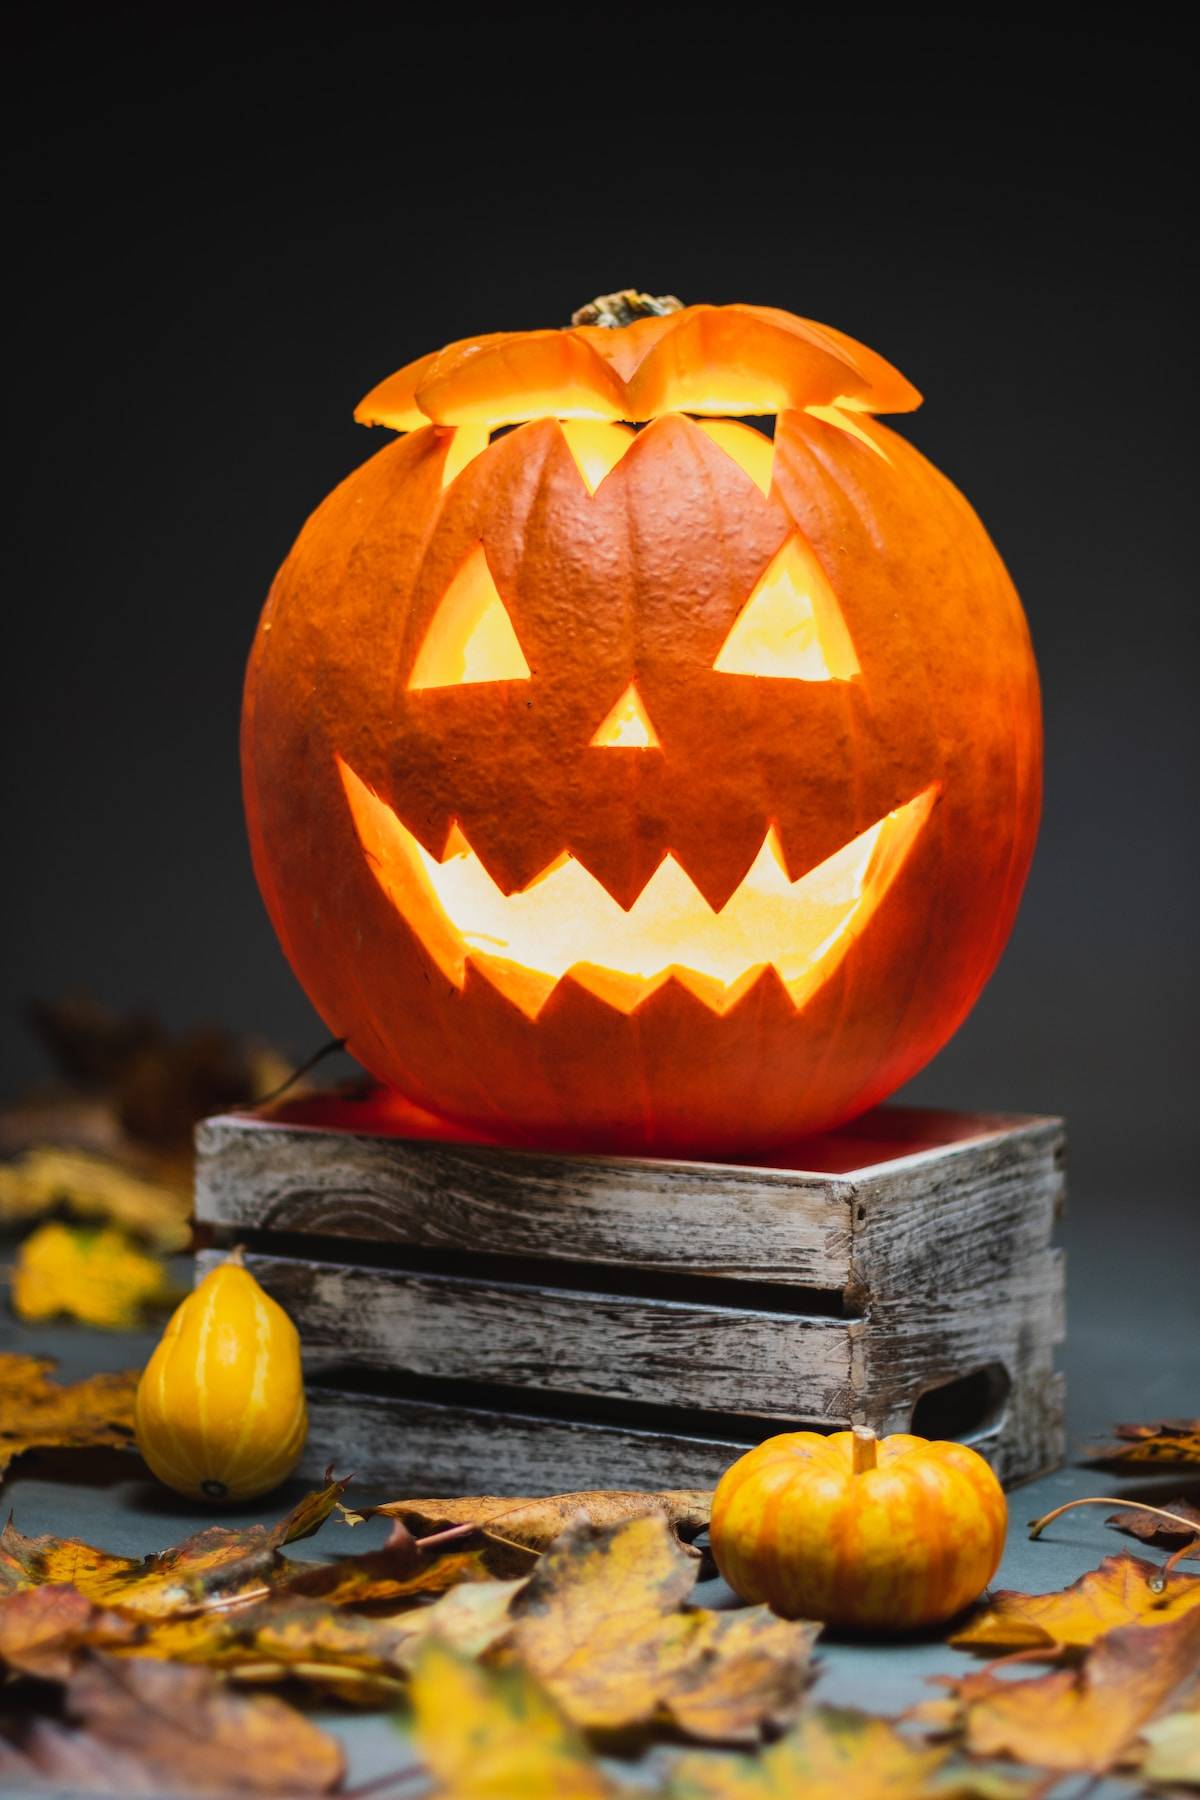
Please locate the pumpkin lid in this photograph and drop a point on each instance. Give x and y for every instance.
(723, 361)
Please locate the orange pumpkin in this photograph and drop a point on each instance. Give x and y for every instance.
(666, 789)
(879, 1536)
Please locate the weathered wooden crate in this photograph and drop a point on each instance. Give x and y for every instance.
(477, 1319)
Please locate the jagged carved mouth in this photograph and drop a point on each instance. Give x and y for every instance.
(565, 922)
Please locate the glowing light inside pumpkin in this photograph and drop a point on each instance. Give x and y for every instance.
(566, 921)
(466, 443)
(839, 414)
(597, 446)
(722, 393)
(751, 450)
(471, 636)
(791, 625)
(627, 726)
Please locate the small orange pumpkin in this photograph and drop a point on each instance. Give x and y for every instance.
(882, 1535)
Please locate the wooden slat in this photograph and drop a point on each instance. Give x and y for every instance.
(753, 1224)
(402, 1447)
(759, 1224)
(650, 1352)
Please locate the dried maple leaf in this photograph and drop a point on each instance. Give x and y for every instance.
(1152, 1528)
(37, 1413)
(399, 1570)
(493, 1734)
(216, 1563)
(1174, 1442)
(362, 1658)
(367, 1581)
(99, 1277)
(1083, 1719)
(162, 1728)
(600, 1622)
(1118, 1593)
(832, 1754)
(41, 1629)
(532, 1525)
(94, 1187)
(1171, 1756)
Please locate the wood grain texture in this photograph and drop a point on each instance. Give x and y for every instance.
(699, 1217)
(954, 1264)
(397, 1447)
(765, 1364)
(939, 1246)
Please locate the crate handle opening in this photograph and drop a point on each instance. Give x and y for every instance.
(969, 1407)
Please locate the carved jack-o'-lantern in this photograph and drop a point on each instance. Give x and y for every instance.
(635, 778)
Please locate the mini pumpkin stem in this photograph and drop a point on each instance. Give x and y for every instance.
(623, 307)
(865, 1447)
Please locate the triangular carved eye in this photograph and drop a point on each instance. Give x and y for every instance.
(791, 626)
(471, 636)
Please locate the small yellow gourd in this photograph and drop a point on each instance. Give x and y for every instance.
(220, 1412)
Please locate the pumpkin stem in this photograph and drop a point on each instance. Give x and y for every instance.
(865, 1445)
(623, 307)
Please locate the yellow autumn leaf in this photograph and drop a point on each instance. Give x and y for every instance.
(99, 1277)
(833, 1754)
(1172, 1755)
(94, 1187)
(37, 1413)
(603, 1622)
(216, 1565)
(493, 1734)
(1118, 1593)
(362, 1657)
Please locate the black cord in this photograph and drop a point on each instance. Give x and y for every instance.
(329, 1049)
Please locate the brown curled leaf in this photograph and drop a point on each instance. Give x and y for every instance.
(161, 1728)
(517, 1524)
(1173, 1443)
(1086, 1719)
(43, 1628)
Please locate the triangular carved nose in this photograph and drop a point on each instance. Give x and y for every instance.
(627, 726)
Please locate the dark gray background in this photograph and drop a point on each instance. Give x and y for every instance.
(218, 242)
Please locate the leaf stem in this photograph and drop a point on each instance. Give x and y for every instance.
(1037, 1526)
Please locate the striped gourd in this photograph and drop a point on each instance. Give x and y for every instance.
(220, 1409)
